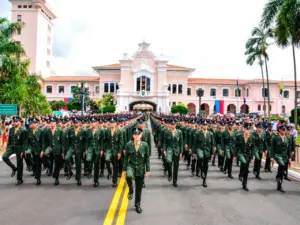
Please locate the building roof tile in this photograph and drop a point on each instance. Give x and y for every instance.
(72, 78)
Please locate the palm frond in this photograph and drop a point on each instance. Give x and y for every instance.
(269, 12)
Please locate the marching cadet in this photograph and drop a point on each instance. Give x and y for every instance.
(214, 130)
(290, 153)
(229, 148)
(102, 156)
(238, 130)
(259, 148)
(203, 148)
(16, 145)
(64, 128)
(191, 135)
(268, 138)
(160, 146)
(77, 145)
(244, 146)
(54, 145)
(186, 156)
(146, 137)
(120, 126)
(279, 153)
(173, 147)
(113, 148)
(95, 137)
(136, 159)
(36, 144)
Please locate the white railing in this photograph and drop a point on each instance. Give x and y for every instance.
(143, 93)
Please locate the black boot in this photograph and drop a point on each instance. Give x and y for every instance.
(13, 172)
(38, 182)
(96, 184)
(70, 175)
(79, 183)
(138, 209)
(56, 183)
(19, 182)
(204, 183)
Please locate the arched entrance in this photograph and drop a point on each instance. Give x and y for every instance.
(231, 108)
(142, 106)
(245, 108)
(192, 108)
(205, 109)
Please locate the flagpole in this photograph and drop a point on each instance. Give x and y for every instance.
(281, 95)
(237, 94)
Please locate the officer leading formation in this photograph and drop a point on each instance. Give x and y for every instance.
(122, 143)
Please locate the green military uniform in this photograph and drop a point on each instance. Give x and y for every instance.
(135, 162)
(268, 139)
(173, 147)
(36, 145)
(203, 148)
(16, 145)
(259, 148)
(161, 139)
(228, 145)
(291, 149)
(77, 144)
(54, 145)
(218, 145)
(244, 147)
(112, 147)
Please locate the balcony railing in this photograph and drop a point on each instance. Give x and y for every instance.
(143, 93)
(68, 95)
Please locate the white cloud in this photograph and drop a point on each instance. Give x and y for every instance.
(207, 35)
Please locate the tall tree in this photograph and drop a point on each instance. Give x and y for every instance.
(285, 14)
(256, 47)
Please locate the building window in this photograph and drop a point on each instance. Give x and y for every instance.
(174, 88)
(173, 103)
(237, 92)
(25, 6)
(49, 89)
(286, 94)
(213, 92)
(61, 89)
(19, 31)
(48, 64)
(270, 108)
(49, 40)
(169, 87)
(49, 28)
(264, 92)
(19, 6)
(225, 92)
(259, 107)
(97, 90)
(112, 87)
(19, 18)
(298, 94)
(247, 92)
(30, 6)
(117, 86)
(283, 109)
(72, 89)
(180, 89)
(143, 84)
(105, 87)
(189, 91)
(48, 51)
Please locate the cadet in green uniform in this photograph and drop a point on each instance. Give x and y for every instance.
(173, 147)
(95, 138)
(54, 145)
(77, 144)
(279, 153)
(244, 146)
(16, 145)
(290, 153)
(36, 145)
(259, 148)
(113, 150)
(203, 148)
(229, 148)
(135, 161)
(218, 142)
(268, 137)
(146, 137)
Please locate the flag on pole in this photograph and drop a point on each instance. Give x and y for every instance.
(237, 90)
(244, 100)
(281, 87)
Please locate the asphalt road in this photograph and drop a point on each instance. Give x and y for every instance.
(222, 202)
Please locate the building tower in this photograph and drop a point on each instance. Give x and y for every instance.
(37, 35)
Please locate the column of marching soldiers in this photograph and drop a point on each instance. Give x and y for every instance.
(99, 142)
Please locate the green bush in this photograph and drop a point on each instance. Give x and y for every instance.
(108, 109)
(73, 106)
(180, 108)
(292, 115)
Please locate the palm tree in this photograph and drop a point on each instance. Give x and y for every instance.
(253, 55)
(257, 47)
(286, 15)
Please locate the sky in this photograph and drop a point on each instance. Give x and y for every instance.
(209, 36)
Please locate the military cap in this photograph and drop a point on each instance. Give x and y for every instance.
(76, 120)
(17, 118)
(289, 128)
(141, 121)
(137, 131)
(93, 120)
(258, 125)
(204, 123)
(53, 119)
(34, 120)
(112, 120)
(281, 127)
(247, 126)
(230, 123)
(222, 124)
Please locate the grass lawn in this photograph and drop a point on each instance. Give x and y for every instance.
(298, 139)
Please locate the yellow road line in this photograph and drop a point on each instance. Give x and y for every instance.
(122, 213)
(114, 203)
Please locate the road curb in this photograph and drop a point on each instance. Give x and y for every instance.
(291, 172)
(12, 156)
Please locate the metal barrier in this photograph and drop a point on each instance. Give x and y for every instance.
(297, 159)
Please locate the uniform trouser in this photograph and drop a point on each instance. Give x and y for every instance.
(220, 157)
(88, 160)
(214, 159)
(120, 165)
(195, 165)
(228, 162)
(188, 157)
(57, 166)
(257, 163)
(286, 169)
(268, 162)
(138, 185)
(38, 166)
(204, 166)
(48, 158)
(19, 168)
(244, 168)
(110, 158)
(102, 164)
(77, 163)
(173, 161)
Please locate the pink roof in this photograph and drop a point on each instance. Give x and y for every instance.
(72, 78)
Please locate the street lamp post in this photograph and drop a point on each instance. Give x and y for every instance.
(200, 93)
(83, 89)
